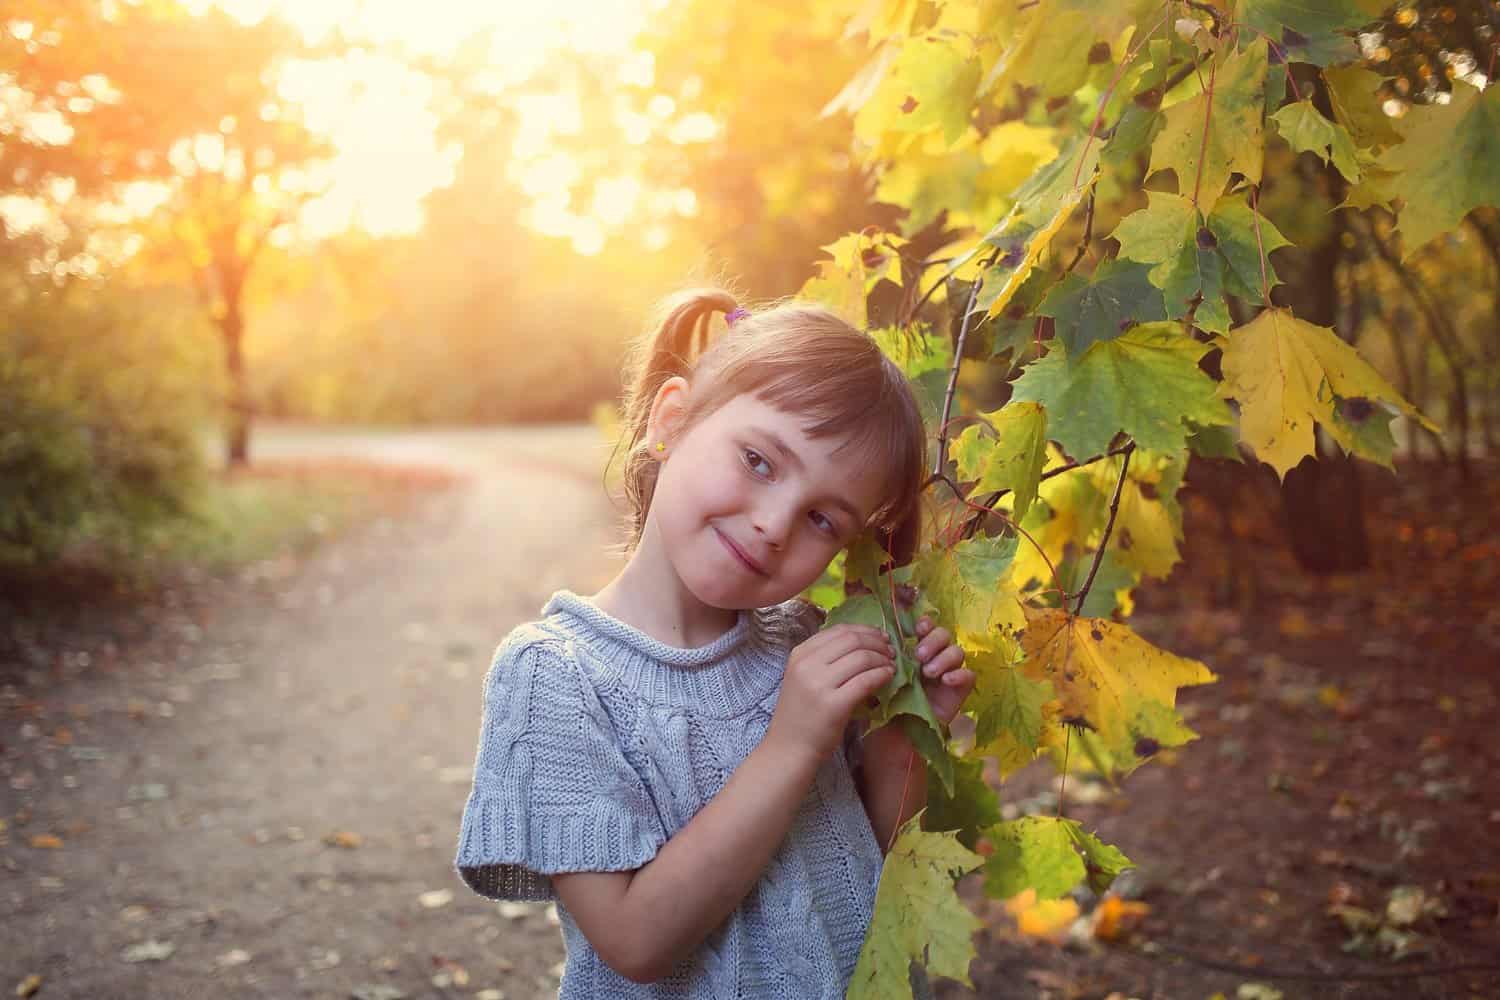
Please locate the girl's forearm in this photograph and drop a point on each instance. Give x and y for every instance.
(704, 871)
(887, 752)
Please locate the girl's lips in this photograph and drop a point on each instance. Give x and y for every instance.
(739, 554)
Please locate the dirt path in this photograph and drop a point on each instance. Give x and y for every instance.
(194, 785)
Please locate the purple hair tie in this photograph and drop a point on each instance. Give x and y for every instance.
(735, 315)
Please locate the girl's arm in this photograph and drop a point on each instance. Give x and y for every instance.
(643, 923)
(882, 776)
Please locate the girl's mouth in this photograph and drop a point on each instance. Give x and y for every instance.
(739, 554)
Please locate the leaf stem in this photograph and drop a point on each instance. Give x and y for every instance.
(1114, 509)
(1208, 117)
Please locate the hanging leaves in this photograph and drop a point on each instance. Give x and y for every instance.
(917, 916)
(1121, 353)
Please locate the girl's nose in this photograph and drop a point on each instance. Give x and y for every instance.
(773, 523)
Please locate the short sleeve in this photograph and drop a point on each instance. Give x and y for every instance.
(552, 789)
(804, 619)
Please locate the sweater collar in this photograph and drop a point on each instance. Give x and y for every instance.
(601, 621)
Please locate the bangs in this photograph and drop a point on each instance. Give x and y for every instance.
(868, 405)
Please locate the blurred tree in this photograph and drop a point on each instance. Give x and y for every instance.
(107, 94)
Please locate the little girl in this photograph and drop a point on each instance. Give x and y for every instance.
(672, 759)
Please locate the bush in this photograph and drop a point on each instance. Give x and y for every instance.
(101, 389)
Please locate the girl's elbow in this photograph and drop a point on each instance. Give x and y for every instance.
(644, 969)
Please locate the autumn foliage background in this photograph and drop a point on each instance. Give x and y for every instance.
(220, 217)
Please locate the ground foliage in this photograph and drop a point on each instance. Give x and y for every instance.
(1153, 122)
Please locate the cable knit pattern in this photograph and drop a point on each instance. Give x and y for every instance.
(598, 743)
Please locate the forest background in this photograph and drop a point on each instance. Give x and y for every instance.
(221, 214)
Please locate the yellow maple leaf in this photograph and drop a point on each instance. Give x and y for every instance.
(1288, 375)
(1111, 682)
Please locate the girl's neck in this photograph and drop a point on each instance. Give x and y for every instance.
(648, 595)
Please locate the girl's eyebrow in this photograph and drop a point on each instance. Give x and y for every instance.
(795, 460)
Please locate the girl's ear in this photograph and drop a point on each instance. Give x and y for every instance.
(668, 410)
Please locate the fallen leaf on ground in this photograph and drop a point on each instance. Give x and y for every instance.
(1115, 917)
(46, 841)
(436, 898)
(29, 985)
(150, 950)
(346, 839)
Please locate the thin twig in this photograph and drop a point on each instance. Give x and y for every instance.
(958, 357)
(1088, 234)
(1114, 508)
(987, 507)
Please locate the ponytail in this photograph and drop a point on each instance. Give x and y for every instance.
(672, 348)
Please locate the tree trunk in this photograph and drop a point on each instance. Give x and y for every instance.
(233, 327)
(1321, 498)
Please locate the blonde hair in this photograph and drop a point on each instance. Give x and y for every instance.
(804, 360)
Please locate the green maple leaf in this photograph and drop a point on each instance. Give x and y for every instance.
(930, 85)
(1011, 460)
(1033, 852)
(1101, 307)
(1111, 683)
(1049, 855)
(1146, 383)
(1007, 709)
(1234, 225)
(1170, 233)
(918, 916)
(902, 699)
(1287, 374)
(1307, 131)
(972, 806)
(1309, 29)
(1449, 164)
(1234, 138)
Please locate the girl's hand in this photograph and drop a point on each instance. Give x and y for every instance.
(943, 678)
(826, 677)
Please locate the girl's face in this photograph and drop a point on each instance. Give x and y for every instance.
(749, 509)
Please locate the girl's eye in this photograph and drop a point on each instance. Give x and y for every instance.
(753, 459)
(824, 524)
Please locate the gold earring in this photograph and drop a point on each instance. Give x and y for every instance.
(661, 446)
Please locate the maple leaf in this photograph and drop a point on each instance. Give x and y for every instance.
(1446, 167)
(918, 916)
(1049, 856)
(1102, 306)
(930, 84)
(1145, 382)
(972, 806)
(1042, 205)
(1234, 140)
(1287, 375)
(1007, 708)
(1307, 131)
(1011, 460)
(1110, 681)
(903, 698)
(963, 582)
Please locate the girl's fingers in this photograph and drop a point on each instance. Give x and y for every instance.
(955, 678)
(933, 643)
(950, 658)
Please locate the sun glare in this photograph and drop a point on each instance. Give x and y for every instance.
(376, 110)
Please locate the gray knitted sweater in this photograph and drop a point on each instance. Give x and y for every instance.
(598, 743)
